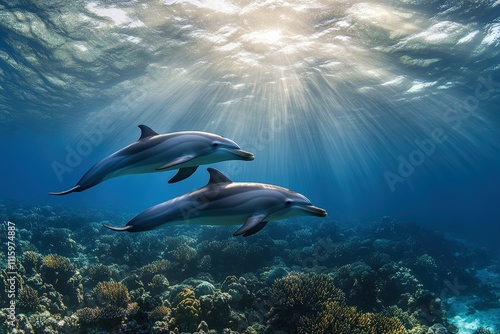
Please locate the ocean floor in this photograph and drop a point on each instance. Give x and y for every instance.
(466, 312)
(69, 274)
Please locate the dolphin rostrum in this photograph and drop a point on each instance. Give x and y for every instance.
(223, 202)
(156, 153)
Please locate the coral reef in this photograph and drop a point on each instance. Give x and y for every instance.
(359, 283)
(384, 277)
(312, 304)
(112, 293)
(187, 311)
(160, 312)
(28, 299)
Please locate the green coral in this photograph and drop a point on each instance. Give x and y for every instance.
(112, 293)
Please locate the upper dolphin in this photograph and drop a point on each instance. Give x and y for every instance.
(223, 202)
(155, 152)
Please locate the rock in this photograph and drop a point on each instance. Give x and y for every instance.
(437, 329)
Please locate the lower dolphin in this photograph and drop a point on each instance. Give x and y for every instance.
(223, 202)
(153, 152)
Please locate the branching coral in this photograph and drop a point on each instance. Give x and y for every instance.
(88, 315)
(205, 263)
(312, 304)
(57, 270)
(158, 284)
(28, 299)
(358, 281)
(297, 291)
(31, 261)
(154, 268)
(112, 294)
(160, 312)
(340, 318)
(99, 273)
(184, 254)
(58, 263)
(58, 240)
(408, 320)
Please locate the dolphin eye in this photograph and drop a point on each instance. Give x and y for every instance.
(288, 202)
(215, 145)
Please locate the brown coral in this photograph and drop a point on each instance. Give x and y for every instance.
(184, 294)
(57, 270)
(154, 268)
(87, 315)
(298, 291)
(187, 314)
(112, 293)
(339, 318)
(160, 312)
(312, 304)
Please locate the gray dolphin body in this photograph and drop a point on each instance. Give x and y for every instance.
(223, 202)
(156, 153)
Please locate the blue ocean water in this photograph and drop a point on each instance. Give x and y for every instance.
(370, 109)
(335, 100)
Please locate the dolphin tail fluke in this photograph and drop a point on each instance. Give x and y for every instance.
(75, 188)
(118, 229)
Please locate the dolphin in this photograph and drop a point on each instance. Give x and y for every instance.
(223, 202)
(153, 152)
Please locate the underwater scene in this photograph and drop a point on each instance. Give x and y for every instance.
(248, 167)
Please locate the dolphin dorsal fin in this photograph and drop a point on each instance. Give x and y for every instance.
(217, 177)
(146, 131)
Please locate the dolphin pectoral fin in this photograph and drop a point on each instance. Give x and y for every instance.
(146, 131)
(255, 229)
(75, 188)
(251, 224)
(176, 161)
(118, 229)
(183, 173)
